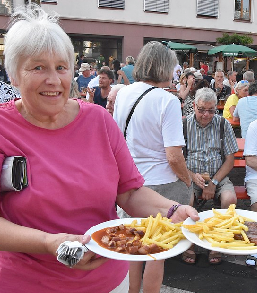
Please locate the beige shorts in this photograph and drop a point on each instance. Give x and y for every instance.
(251, 186)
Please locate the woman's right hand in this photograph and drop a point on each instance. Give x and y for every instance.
(90, 260)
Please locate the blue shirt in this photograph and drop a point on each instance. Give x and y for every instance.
(83, 81)
(246, 111)
(128, 69)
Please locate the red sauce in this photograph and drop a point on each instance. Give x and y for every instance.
(124, 238)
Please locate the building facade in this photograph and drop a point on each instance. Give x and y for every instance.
(118, 28)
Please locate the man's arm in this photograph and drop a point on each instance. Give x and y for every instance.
(177, 163)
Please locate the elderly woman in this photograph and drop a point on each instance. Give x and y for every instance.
(241, 90)
(76, 169)
(155, 139)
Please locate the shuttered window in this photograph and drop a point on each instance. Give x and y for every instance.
(208, 8)
(156, 6)
(118, 4)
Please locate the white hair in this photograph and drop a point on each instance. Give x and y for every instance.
(32, 33)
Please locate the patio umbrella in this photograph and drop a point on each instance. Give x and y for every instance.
(180, 47)
(233, 50)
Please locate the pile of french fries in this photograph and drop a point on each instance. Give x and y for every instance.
(159, 230)
(220, 229)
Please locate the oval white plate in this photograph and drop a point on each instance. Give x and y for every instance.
(205, 244)
(92, 245)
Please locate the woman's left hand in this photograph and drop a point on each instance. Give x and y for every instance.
(183, 212)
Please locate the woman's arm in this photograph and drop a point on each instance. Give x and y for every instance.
(232, 109)
(184, 91)
(144, 202)
(28, 240)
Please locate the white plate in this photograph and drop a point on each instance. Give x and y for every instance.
(92, 245)
(205, 244)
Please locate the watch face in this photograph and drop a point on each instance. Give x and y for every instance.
(215, 182)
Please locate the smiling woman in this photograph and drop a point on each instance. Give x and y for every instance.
(78, 167)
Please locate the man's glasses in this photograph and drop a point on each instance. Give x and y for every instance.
(203, 111)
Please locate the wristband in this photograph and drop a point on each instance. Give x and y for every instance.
(172, 210)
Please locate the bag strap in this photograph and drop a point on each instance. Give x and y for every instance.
(222, 125)
(133, 108)
(185, 137)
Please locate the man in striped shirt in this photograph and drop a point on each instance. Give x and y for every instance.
(204, 154)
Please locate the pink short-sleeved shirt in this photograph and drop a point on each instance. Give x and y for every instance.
(74, 174)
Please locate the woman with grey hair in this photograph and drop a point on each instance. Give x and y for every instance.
(155, 138)
(77, 170)
(241, 90)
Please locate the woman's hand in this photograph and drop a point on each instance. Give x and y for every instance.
(183, 212)
(89, 261)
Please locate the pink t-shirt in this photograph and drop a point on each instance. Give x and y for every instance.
(74, 174)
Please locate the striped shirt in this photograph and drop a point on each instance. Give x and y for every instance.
(204, 144)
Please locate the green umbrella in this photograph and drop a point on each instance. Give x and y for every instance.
(180, 47)
(233, 50)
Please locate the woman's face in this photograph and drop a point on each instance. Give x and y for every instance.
(44, 82)
(243, 92)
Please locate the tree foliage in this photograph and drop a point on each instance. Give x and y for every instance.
(227, 39)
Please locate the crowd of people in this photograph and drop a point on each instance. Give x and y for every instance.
(100, 142)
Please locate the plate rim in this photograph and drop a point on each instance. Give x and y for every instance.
(96, 248)
(207, 245)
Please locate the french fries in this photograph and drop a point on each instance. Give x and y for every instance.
(220, 230)
(159, 231)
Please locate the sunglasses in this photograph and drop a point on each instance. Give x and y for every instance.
(203, 111)
(243, 81)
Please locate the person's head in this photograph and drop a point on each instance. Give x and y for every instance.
(232, 75)
(219, 76)
(198, 76)
(112, 97)
(202, 71)
(33, 33)
(201, 83)
(253, 89)
(155, 63)
(130, 60)
(182, 78)
(241, 89)
(39, 58)
(106, 78)
(249, 76)
(85, 69)
(205, 105)
(190, 75)
(185, 65)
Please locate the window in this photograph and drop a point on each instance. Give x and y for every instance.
(6, 6)
(243, 9)
(118, 4)
(156, 6)
(208, 8)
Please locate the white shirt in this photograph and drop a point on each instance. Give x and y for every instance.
(251, 149)
(155, 124)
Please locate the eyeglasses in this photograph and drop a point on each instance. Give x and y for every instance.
(243, 81)
(203, 111)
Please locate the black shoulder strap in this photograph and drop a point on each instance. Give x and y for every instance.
(133, 108)
(185, 136)
(222, 125)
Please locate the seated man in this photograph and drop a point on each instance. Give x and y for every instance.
(98, 95)
(250, 153)
(206, 152)
(222, 91)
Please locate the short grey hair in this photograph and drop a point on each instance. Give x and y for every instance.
(218, 71)
(241, 84)
(248, 75)
(32, 33)
(205, 95)
(130, 60)
(155, 62)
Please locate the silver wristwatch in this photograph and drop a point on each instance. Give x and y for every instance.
(215, 182)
